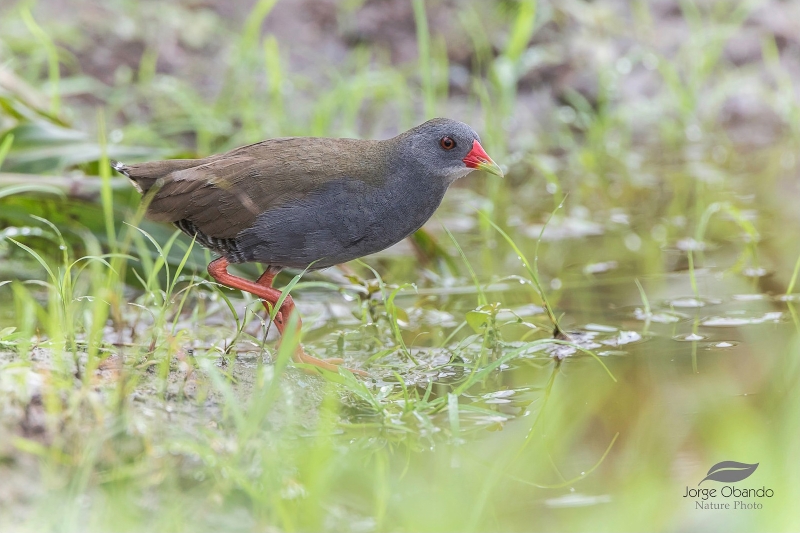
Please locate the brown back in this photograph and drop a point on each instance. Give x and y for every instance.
(223, 194)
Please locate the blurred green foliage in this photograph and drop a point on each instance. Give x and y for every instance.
(138, 395)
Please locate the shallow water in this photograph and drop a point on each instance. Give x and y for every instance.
(700, 378)
(698, 367)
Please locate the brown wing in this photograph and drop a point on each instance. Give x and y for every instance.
(223, 194)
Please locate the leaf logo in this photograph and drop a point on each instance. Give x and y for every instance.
(730, 472)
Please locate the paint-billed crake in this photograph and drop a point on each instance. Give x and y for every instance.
(305, 202)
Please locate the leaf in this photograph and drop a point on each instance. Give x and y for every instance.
(477, 319)
(32, 188)
(40, 146)
(730, 471)
(39, 258)
(5, 146)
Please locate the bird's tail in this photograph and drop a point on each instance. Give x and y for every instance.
(120, 167)
(123, 169)
(145, 176)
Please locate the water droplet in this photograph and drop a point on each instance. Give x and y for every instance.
(555, 284)
(633, 242)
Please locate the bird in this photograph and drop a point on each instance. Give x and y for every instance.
(307, 202)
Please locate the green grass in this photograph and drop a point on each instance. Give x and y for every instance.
(138, 394)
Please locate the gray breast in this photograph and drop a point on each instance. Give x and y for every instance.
(343, 220)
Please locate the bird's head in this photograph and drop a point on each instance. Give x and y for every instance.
(446, 148)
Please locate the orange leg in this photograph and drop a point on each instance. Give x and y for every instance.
(218, 269)
(265, 280)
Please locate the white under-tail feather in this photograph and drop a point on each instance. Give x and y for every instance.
(120, 167)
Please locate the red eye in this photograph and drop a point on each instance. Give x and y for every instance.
(447, 143)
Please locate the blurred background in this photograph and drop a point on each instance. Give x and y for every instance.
(652, 182)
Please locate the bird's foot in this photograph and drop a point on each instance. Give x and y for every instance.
(331, 365)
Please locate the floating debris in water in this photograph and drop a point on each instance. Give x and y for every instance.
(750, 297)
(689, 244)
(734, 321)
(584, 339)
(660, 317)
(618, 216)
(690, 337)
(692, 301)
(591, 337)
(608, 353)
(623, 337)
(498, 397)
(599, 268)
(501, 393)
(755, 272)
(600, 328)
(633, 242)
(722, 345)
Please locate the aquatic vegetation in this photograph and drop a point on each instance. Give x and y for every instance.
(568, 349)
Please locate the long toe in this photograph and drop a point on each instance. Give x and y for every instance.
(331, 365)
